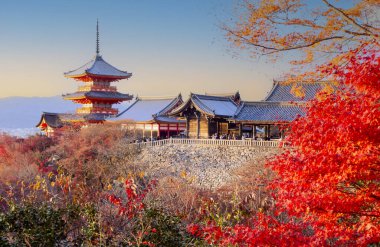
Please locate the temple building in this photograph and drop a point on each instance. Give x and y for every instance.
(284, 103)
(218, 116)
(96, 96)
(148, 117)
(206, 115)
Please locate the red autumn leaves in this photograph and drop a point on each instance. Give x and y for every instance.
(327, 188)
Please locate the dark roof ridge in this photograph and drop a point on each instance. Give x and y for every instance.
(203, 96)
(50, 113)
(275, 102)
(220, 94)
(156, 97)
(284, 82)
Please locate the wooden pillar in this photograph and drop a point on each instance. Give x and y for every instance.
(208, 127)
(198, 126)
(267, 129)
(240, 130)
(187, 126)
(177, 128)
(158, 132)
(254, 131)
(151, 131)
(282, 132)
(168, 131)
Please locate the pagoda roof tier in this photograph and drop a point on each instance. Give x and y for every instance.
(97, 68)
(98, 95)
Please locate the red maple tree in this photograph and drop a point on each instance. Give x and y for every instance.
(327, 190)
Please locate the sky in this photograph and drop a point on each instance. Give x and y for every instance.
(170, 46)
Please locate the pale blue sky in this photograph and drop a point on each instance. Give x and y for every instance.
(170, 46)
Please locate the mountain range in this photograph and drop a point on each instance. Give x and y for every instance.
(19, 115)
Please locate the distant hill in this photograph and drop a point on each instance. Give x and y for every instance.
(25, 112)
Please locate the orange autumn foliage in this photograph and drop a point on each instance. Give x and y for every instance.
(321, 32)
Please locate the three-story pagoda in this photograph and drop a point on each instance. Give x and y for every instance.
(97, 96)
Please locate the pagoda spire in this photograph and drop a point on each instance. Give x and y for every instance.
(97, 37)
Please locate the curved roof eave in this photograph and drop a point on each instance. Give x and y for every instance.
(100, 67)
(185, 105)
(170, 106)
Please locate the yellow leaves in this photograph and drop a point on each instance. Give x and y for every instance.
(308, 58)
(37, 185)
(326, 90)
(336, 60)
(189, 179)
(355, 11)
(50, 175)
(109, 187)
(298, 91)
(246, 31)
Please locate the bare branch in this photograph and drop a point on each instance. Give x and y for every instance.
(349, 19)
(274, 49)
(248, 41)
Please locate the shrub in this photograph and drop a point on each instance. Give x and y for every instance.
(36, 224)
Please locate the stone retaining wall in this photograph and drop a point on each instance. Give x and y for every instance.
(204, 166)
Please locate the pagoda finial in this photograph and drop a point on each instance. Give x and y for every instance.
(97, 37)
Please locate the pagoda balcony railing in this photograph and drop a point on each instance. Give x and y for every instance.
(105, 110)
(97, 88)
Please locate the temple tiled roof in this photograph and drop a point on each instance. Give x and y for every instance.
(150, 109)
(283, 91)
(268, 112)
(51, 119)
(98, 95)
(98, 67)
(209, 105)
(57, 120)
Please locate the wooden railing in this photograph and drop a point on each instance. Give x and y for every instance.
(97, 88)
(211, 142)
(97, 110)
